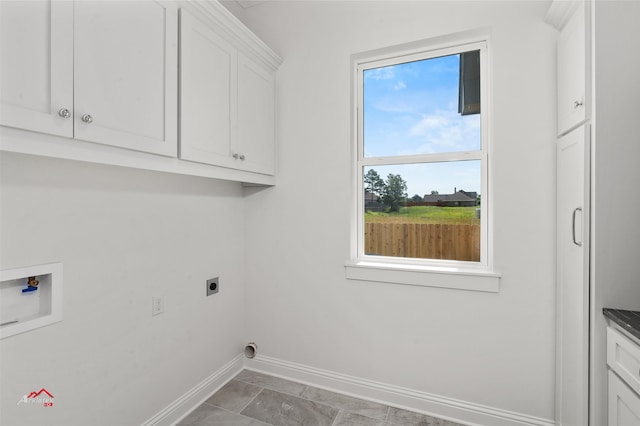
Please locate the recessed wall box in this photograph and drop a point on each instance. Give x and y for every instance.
(30, 297)
(213, 286)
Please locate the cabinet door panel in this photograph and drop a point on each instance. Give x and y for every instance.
(573, 277)
(256, 132)
(623, 357)
(572, 73)
(126, 74)
(208, 67)
(36, 70)
(624, 404)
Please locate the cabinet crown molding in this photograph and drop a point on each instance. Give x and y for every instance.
(223, 21)
(560, 11)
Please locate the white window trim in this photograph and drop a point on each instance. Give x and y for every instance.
(474, 276)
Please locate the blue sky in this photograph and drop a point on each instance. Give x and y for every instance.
(412, 108)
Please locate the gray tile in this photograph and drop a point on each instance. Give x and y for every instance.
(208, 415)
(234, 396)
(346, 418)
(270, 382)
(286, 410)
(347, 403)
(409, 418)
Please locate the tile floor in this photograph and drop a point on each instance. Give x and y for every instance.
(256, 399)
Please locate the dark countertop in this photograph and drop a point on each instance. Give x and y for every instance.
(628, 320)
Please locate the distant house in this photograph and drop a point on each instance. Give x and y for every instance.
(371, 202)
(457, 199)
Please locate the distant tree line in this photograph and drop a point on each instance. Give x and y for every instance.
(392, 192)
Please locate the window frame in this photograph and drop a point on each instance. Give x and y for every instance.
(415, 271)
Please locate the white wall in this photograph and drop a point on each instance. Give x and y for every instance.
(616, 176)
(234, 7)
(492, 349)
(617, 150)
(123, 236)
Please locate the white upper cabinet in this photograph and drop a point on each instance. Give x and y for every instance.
(256, 119)
(208, 66)
(102, 71)
(108, 82)
(227, 97)
(572, 72)
(36, 69)
(126, 74)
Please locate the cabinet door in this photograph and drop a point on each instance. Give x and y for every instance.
(36, 70)
(126, 74)
(572, 72)
(573, 278)
(256, 116)
(624, 404)
(623, 357)
(208, 67)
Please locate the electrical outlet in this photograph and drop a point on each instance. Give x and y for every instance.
(213, 286)
(157, 305)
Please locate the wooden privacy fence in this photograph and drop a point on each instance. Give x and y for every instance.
(423, 240)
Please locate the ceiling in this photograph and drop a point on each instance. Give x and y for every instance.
(249, 3)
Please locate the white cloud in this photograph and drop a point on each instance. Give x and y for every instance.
(429, 124)
(399, 86)
(384, 73)
(446, 131)
(396, 106)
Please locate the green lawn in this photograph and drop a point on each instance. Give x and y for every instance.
(426, 214)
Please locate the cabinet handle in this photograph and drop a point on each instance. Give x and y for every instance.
(242, 157)
(87, 118)
(64, 113)
(573, 226)
(237, 156)
(577, 104)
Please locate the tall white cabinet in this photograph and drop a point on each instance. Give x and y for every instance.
(573, 210)
(573, 242)
(597, 94)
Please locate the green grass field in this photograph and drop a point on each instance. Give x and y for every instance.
(426, 214)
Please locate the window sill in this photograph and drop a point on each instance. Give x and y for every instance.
(473, 279)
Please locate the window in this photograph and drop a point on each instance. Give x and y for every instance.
(421, 161)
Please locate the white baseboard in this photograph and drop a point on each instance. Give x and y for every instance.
(182, 406)
(422, 402)
(433, 405)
